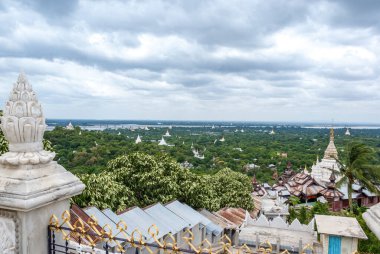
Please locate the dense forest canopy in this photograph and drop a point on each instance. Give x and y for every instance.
(139, 179)
(82, 151)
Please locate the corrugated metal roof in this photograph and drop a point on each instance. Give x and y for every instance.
(210, 225)
(369, 193)
(172, 221)
(75, 214)
(131, 224)
(344, 190)
(221, 221)
(102, 220)
(235, 215)
(144, 221)
(183, 212)
(193, 217)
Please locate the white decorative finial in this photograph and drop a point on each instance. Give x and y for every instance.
(23, 125)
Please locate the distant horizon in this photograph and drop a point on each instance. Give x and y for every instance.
(218, 121)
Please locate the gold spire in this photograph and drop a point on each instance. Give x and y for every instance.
(332, 134)
(331, 152)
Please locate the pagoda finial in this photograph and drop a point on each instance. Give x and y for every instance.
(305, 171)
(23, 125)
(331, 152)
(332, 134)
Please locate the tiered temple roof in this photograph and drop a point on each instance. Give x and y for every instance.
(331, 193)
(304, 186)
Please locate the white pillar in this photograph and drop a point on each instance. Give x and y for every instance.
(32, 185)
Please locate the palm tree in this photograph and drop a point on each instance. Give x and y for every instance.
(358, 167)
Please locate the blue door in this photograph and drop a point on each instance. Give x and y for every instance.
(334, 244)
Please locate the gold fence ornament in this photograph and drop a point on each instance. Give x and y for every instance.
(170, 242)
(285, 252)
(53, 221)
(245, 249)
(107, 234)
(93, 223)
(189, 241)
(79, 226)
(153, 232)
(226, 244)
(122, 227)
(140, 236)
(264, 250)
(66, 217)
(307, 247)
(207, 246)
(79, 229)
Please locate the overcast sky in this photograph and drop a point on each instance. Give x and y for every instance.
(200, 60)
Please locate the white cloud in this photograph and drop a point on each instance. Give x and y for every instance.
(242, 60)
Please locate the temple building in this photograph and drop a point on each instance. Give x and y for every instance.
(304, 186)
(167, 134)
(333, 195)
(162, 142)
(138, 139)
(70, 126)
(347, 133)
(197, 154)
(258, 189)
(321, 171)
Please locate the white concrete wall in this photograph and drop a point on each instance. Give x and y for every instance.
(34, 227)
(348, 246)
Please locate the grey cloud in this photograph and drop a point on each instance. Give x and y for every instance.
(213, 53)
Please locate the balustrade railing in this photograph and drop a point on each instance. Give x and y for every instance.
(67, 236)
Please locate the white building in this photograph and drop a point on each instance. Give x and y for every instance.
(339, 234)
(70, 126)
(162, 142)
(138, 139)
(322, 169)
(167, 134)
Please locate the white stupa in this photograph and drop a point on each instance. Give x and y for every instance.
(242, 130)
(80, 133)
(138, 139)
(146, 128)
(322, 169)
(70, 126)
(213, 127)
(162, 142)
(347, 133)
(167, 134)
(272, 132)
(119, 133)
(198, 155)
(222, 139)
